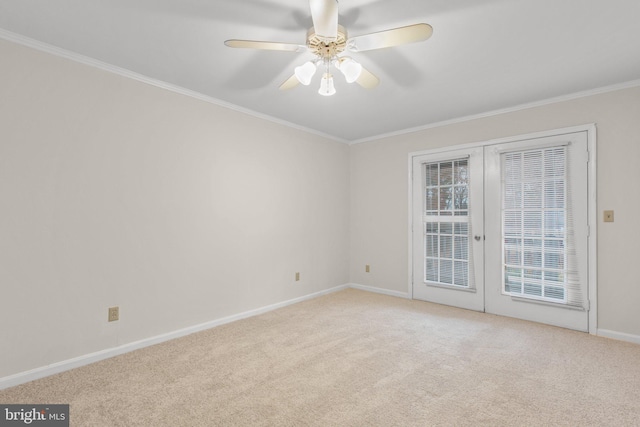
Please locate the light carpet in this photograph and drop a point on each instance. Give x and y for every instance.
(354, 358)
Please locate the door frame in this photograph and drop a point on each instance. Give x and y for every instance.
(592, 213)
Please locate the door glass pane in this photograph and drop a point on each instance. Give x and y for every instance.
(431, 270)
(461, 270)
(461, 170)
(431, 199)
(446, 222)
(461, 244)
(446, 200)
(446, 173)
(431, 249)
(432, 175)
(533, 223)
(446, 271)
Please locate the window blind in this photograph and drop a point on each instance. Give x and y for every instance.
(539, 258)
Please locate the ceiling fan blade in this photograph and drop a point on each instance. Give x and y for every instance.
(324, 14)
(389, 38)
(251, 44)
(290, 83)
(367, 80)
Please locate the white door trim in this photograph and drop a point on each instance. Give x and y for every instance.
(591, 202)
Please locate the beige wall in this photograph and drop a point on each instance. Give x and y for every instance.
(379, 200)
(115, 192)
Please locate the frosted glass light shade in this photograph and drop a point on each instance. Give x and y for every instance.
(305, 72)
(326, 85)
(351, 70)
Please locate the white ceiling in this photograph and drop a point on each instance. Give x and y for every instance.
(484, 55)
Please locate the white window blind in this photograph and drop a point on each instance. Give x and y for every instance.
(447, 229)
(537, 227)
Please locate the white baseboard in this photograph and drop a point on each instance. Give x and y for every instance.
(382, 291)
(76, 362)
(619, 336)
(65, 365)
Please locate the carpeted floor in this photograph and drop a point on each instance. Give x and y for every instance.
(354, 358)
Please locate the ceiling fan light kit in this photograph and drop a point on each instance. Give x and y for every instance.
(350, 68)
(326, 85)
(327, 40)
(305, 72)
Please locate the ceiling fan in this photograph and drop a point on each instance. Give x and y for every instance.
(327, 40)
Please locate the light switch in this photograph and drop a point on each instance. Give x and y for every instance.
(608, 216)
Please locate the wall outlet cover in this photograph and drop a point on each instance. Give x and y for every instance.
(114, 314)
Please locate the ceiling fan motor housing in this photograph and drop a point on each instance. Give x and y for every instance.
(327, 49)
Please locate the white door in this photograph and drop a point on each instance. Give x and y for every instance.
(537, 231)
(503, 228)
(447, 228)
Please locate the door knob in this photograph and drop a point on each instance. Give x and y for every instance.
(477, 238)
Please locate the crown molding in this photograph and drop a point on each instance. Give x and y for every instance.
(91, 62)
(63, 53)
(555, 100)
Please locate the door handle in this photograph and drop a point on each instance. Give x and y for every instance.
(477, 238)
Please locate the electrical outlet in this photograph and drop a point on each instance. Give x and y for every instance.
(114, 314)
(297, 277)
(367, 268)
(608, 216)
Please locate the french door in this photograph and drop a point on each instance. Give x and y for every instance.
(448, 228)
(503, 228)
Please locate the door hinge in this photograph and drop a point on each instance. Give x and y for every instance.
(588, 305)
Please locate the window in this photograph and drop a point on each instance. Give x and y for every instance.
(534, 224)
(446, 223)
